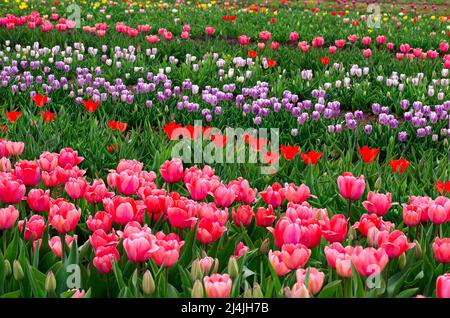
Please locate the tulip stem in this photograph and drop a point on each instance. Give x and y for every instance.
(349, 210)
(63, 246)
(4, 241)
(166, 270)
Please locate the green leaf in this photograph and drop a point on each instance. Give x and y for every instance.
(330, 289)
(408, 293)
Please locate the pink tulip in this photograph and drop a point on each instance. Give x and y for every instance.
(274, 45)
(335, 230)
(76, 188)
(28, 172)
(8, 217)
(39, 200)
(139, 246)
(366, 40)
(394, 243)
(217, 286)
(12, 190)
(168, 250)
(318, 42)
(14, 148)
(68, 156)
(244, 40)
(100, 239)
(243, 215)
(411, 214)
(368, 221)
(390, 46)
(350, 187)
(339, 43)
(293, 36)
(381, 39)
(378, 203)
(48, 161)
(367, 53)
(441, 250)
(369, 261)
(344, 266)
(101, 220)
(276, 260)
(315, 281)
(295, 256)
(33, 227)
(122, 209)
(443, 286)
(352, 38)
(332, 49)
(439, 214)
(209, 231)
(404, 48)
(210, 30)
(182, 214)
(273, 195)
(96, 192)
(223, 196)
(297, 194)
(206, 264)
(55, 244)
(335, 250)
(264, 36)
(432, 54)
(297, 291)
(198, 188)
(63, 216)
(241, 250)
(265, 217)
(104, 257)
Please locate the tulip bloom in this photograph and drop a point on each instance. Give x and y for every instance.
(335, 230)
(243, 215)
(8, 217)
(289, 152)
(265, 217)
(394, 243)
(411, 214)
(101, 220)
(276, 261)
(55, 244)
(399, 165)
(104, 257)
(64, 216)
(168, 250)
(441, 250)
(368, 155)
(350, 187)
(297, 194)
(209, 231)
(369, 261)
(172, 171)
(315, 281)
(295, 256)
(139, 246)
(198, 188)
(311, 157)
(218, 286)
(122, 209)
(28, 172)
(273, 195)
(33, 227)
(224, 196)
(39, 200)
(378, 203)
(439, 214)
(443, 286)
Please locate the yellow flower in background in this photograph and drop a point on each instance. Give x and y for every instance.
(369, 30)
(433, 17)
(385, 19)
(23, 6)
(405, 17)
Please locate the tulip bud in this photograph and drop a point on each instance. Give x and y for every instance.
(8, 270)
(50, 283)
(197, 290)
(264, 249)
(377, 185)
(17, 270)
(148, 284)
(417, 250)
(402, 261)
(196, 271)
(257, 292)
(248, 293)
(351, 234)
(233, 268)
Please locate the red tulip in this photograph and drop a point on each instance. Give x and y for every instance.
(311, 157)
(243, 215)
(325, 60)
(334, 230)
(265, 217)
(101, 221)
(48, 116)
(122, 209)
(90, 105)
(28, 172)
(172, 171)
(399, 165)
(40, 100)
(209, 231)
(289, 152)
(442, 187)
(394, 243)
(13, 116)
(367, 154)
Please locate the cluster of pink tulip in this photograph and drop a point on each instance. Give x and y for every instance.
(123, 218)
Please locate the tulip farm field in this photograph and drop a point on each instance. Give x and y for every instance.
(215, 149)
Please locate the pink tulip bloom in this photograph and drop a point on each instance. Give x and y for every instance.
(198, 188)
(39, 200)
(28, 172)
(96, 192)
(210, 30)
(139, 246)
(394, 243)
(264, 36)
(335, 230)
(276, 260)
(101, 221)
(404, 48)
(55, 244)
(339, 43)
(122, 209)
(316, 279)
(366, 40)
(104, 257)
(381, 39)
(378, 203)
(297, 194)
(33, 227)
(443, 286)
(223, 196)
(76, 188)
(100, 239)
(318, 42)
(209, 231)
(352, 38)
(411, 214)
(243, 215)
(168, 250)
(295, 256)
(293, 36)
(48, 161)
(218, 286)
(441, 250)
(64, 216)
(367, 53)
(273, 195)
(241, 250)
(335, 250)
(439, 214)
(350, 187)
(369, 261)
(68, 156)
(8, 217)
(265, 217)
(344, 266)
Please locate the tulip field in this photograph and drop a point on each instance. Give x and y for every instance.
(224, 149)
